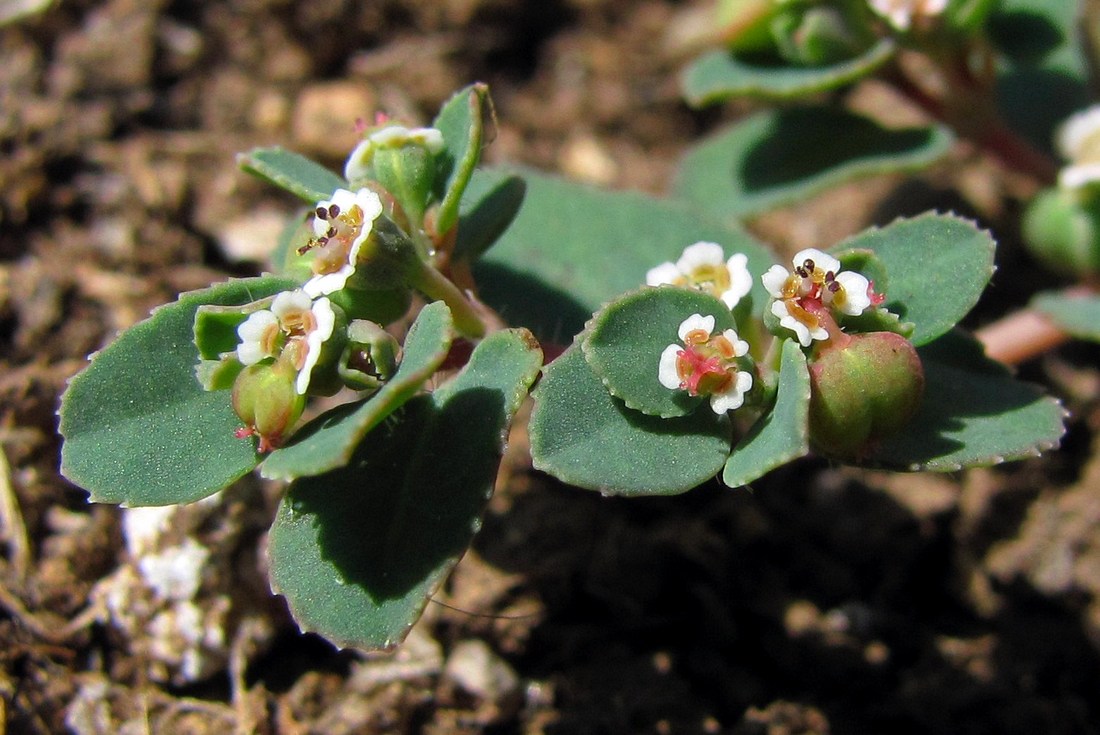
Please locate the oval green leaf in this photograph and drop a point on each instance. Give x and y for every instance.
(462, 123)
(1077, 314)
(582, 435)
(329, 441)
(780, 435)
(301, 176)
(626, 337)
(938, 265)
(776, 157)
(139, 429)
(719, 75)
(358, 551)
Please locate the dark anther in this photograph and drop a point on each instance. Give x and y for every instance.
(808, 265)
(801, 272)
(320, 213)
(333, 211)
(830, 277)
(330, 232)
(834, 286)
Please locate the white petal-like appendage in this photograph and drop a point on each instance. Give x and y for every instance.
(667, 374)
(662, 274)
(855, 287)
(821, 259)
(700, 254)
(693, 322)
(774, 279)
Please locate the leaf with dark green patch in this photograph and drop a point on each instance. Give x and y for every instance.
(720, 75)
(572, 247)
(974, 413)
(358, 551)
(776, 157)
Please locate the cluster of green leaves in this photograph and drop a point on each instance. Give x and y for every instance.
(385, 493)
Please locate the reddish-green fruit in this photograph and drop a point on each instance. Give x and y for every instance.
(862, 392)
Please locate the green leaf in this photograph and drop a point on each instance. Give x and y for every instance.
(329, 441)
(626, 337)
(462, 122)
(1045, 77)
(938, 265)
(358, 551)
(488, 208)
(719, 75)
(573, 247)
(776, 157)
(780, 435)
(581, 435)
(974, 413)
(293, 172)
(1077, 314)
(216, 327)
(139, 429)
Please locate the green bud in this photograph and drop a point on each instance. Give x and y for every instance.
(863, 389)
(370, 357)
(265, 399)
(818, 36)
(1062, 229)
(402, 161)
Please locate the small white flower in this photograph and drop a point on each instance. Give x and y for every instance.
(341, 225)
(391, 136)
(902, 14)
(294, 320)
(1078, 140)
(703, 266)
(706, 365)
(803, 297)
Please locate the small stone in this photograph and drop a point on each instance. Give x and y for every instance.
(251, 236)
(475, 669)
(325, 117)
(583, 158)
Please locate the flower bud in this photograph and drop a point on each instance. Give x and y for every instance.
(1062, 229)
(402, 161)
(818, 36)
(863, 390)
(265, 398)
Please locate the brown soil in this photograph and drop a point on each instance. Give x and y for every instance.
(821, 600)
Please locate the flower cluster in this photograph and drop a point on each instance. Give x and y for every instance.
(703, 266)
(705, 364)
(805, 298)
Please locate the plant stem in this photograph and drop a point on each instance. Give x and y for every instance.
(434, 284)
